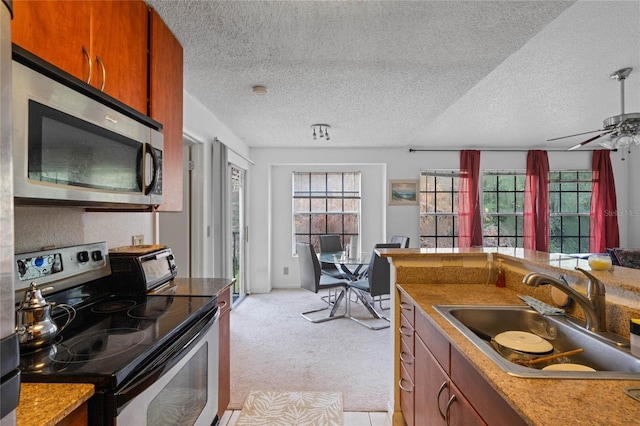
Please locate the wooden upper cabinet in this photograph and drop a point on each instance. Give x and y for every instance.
(103, 43)
(165, 106)
(56, 31)
(119, 49)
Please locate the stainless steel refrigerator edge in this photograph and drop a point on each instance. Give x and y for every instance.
(9, 386)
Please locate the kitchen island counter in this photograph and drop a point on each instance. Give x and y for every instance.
(48, 404)
(538, 401)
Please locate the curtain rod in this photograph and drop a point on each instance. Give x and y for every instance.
(491, 149)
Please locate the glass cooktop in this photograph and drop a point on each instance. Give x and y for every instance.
(111, 338)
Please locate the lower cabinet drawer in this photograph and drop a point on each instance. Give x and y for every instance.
(407, 404)
(407, 359)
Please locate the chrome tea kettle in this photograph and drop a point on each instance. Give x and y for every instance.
(34, 325)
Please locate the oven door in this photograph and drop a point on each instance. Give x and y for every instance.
(186, 394)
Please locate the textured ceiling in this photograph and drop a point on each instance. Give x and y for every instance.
(421, 74)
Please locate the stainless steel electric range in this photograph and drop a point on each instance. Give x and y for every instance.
(152, 358)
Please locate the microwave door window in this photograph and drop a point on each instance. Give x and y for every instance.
(68, 151)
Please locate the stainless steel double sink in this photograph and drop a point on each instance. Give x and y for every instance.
(479, 323)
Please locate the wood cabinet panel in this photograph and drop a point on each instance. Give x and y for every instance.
(56, 31)
(99, 42)
(407, 308)
(406, 333)
(165, 106)
(489, 404)
(438, 344)
(407, 389)
(460, 411)
(407, 359)
(224, 366)
(431, 387)
(120, 34)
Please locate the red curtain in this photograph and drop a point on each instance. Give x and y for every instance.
(604, 232)
(536, 201)
(469, 214)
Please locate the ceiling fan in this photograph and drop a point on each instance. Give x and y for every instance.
(622, 130)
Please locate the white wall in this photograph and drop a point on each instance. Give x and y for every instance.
(201, 127)
(270, 182)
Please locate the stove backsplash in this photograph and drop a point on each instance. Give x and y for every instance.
(38, 227)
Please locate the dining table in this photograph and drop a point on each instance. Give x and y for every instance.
(351, 265)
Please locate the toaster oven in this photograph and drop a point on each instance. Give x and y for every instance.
(142, 268)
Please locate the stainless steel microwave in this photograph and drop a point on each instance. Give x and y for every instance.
(71, 149)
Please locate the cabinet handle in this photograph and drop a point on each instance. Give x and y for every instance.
(85, 53)
(406, 306)
(402, 387)
(104, 72)
(443, 386)
(406, 361)
(449, 404)
(405, 334)
(222, 304)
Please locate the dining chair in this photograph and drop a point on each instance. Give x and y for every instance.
(330, 244)
(313, 280)
(375, 284)
(404, 241)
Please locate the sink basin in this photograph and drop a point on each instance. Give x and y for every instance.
(479, 323)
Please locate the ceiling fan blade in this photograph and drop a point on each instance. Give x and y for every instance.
(587, 141)
(577, 134)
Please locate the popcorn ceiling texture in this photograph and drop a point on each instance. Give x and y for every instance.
(395, 73)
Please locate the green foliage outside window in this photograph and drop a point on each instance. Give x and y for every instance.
(503, 209)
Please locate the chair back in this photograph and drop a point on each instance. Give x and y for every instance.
(379, 272)
(309, 267)
(330, 243)
(404, 241)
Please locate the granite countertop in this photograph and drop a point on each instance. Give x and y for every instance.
(538, 401)
(197, 286)
(45, 404)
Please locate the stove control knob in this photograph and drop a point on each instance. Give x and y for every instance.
(96, 255)
(83, 256)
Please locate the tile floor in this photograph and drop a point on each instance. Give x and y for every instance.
(350, 419)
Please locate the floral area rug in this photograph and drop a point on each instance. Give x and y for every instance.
(292, 409)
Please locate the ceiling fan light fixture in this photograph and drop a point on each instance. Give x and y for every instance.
(623, 129)
(608, 144)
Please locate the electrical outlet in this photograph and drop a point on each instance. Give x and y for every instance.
(286, 270)
(137, 240)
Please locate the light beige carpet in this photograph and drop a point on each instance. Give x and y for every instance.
(274, 349)
(263, 408)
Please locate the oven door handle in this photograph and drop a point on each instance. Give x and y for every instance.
(164, 361)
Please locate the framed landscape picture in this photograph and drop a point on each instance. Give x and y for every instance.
(403, 192)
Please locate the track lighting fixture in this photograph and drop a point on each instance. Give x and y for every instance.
(323, 131)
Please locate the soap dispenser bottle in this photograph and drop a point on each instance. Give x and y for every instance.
(501, 281)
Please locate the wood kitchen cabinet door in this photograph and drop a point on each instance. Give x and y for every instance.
(120, 34)
(56, 31)
(460, 411)
(431, 390)
(165, 106)
(103, 43)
